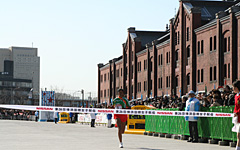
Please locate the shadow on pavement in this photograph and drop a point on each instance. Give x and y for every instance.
(146, 148)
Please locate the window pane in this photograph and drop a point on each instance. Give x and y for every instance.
(198, 47)
(210, 73)
(225, 70)
(215, 43)
(215, 73)
(210, 44)
(198, 76)
(229, 70)
(202, 46)
(225, 45)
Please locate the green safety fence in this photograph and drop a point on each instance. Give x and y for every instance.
(208, 127)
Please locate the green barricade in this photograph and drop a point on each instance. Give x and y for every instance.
(216, 124)
(147, 118)
(204, 124)
(209, 127)
(165, 124)
(159, 125)
(234, 135)
(155, 122)
(182, 126)
(226, 126)
(173, 127)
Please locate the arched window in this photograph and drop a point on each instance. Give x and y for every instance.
(226, 41)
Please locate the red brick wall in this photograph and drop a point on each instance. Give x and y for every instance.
(184, 66)
(142, 75)
(207, 59)
(163, 70)
(119, 80)
(104, 85)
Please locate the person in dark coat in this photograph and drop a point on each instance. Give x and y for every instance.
(183, 104)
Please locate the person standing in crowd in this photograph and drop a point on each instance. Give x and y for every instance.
(55, 115)
(183, 104)
(70, 115)
(93, 118)
(160, 104)
(231, 100)
(109, 118)
(215, 101)
(192, 104)
(121, 103)
(236, 88)
(206, 103)
(36, 116)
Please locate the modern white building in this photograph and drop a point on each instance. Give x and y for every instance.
(21, 63)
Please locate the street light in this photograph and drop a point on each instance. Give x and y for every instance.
(82, 91)
(90, 97)
(13, 89)
(74, 93)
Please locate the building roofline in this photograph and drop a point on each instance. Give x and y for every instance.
(118, 61)
(163, 43)
(105, 66)
(22, 47)
(210, 24)
(141, 52)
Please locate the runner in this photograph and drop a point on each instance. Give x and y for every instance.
(121, 103)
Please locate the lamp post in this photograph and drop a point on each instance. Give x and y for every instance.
(75, 93)
(30, 95)
(90, 97)
(12, 97)
(82, 91)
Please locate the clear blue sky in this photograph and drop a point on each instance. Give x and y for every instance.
(73, 36)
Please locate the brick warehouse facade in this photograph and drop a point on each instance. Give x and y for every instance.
(200, 47)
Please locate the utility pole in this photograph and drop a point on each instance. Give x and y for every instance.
(90, 98)
(82, 91)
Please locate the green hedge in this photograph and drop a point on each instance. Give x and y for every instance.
(211, 127)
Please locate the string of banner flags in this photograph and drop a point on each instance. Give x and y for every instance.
(117, 111)
(48, 105)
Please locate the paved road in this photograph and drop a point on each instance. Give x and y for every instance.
(23, 135)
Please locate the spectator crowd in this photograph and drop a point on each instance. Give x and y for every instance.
(16, 114)
(216, 97)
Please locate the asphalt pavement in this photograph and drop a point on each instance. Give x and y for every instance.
(28, 135)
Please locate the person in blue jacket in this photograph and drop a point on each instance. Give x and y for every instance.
(70, 115)
(192, 104)
(109, 118)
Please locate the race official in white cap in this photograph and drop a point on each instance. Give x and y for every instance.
(192, 104)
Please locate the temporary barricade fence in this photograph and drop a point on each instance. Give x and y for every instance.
(208, 127)
(100, 118)
(214, 122)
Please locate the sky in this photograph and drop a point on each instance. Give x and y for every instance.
(73, 36)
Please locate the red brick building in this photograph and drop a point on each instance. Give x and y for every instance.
(200, 48)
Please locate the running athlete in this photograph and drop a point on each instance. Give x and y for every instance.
(121, 103)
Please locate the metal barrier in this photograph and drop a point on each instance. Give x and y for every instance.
(214, 128)
(18, 117)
